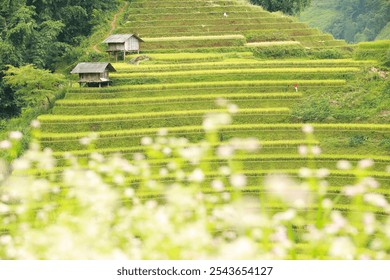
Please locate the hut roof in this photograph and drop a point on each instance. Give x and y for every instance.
(120, 38)
(92, 67)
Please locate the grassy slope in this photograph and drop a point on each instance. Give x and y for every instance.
(180, 83)
(251, 83)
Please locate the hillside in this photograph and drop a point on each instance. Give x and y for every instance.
(194, 55)
(351, 20)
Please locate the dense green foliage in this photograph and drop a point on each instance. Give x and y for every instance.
(286, 6)
(42, 32)
(31, 85)
(352, 20)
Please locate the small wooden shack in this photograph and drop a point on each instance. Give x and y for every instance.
(125, 43)
(94, 73)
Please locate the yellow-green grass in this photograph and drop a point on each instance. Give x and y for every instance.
(173, 99)
(251, 35)
(260, 128)
(194, 38)
(77, 95)
(207, 21)
(253, 163)
(211, 85)
(169, 103)
(244, 71)
(327, 133)
(254, 178)
(191, 44)
(104, 123)
(272, 43)
(380, 44)
(190, 29)
(282, 144)
(285, 158)
(154, 4)
(182, 57)
(240, 63)
(121, 117)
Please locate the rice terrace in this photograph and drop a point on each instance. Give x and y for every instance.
(228, 132)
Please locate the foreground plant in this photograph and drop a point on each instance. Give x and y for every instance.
(182, 200)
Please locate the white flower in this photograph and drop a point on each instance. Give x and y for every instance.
(354, 190)
(217, 185)
(167, 151)
(280, 236)
(196, 176)
(250, 144)
(338, 223)
(129, 192)
(365, 163)
(180, 175)
(286, 189)
(302, 150)
(344, 165)
(163, 172)
(192, 154)
(146, 141)
(213, 121)
(138, 157)
(15, 135)
(35, 124)
(232, 108)
(370, 182)
(4, 208)
(316, 150)
(322, 173)
(221, 102)
(5, 145)
(21, 164)
(241, 248)
(152, 184)
(162, 132)
(5, 239)
(343, 248)
(226, 196)
(119, 179)
(284, 216)
(377, 200)
(172, 165)
(225, 151)
(238, 180)
(85, 141)
(224, 170)
(305, 172)
(327, 203)
(307, 129)
(369, 223)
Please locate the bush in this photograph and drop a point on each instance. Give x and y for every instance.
(326, 54)
(357, 140)
(312, 110)
(279, 52)
(386, 143)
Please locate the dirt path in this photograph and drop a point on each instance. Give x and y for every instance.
(113, 25)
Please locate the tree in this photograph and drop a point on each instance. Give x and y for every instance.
(31, 85)
(286, 6)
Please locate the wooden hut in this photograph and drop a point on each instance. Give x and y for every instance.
(93, 73)
(123, 43)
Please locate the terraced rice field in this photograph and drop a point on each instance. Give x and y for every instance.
(174, 91)
(181, 93)
(164, 23)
